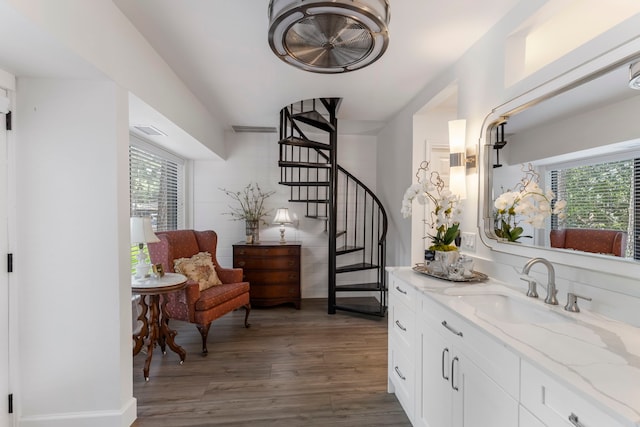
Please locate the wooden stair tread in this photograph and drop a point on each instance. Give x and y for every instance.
(289, 164)
(308, 201)
(348, 249)
(372, 309)
(355, 267)
(305, 184)
(307, 143)
(357, 287)
(315, 119)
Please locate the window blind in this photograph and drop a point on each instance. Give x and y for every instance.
(156, 185)
(600, 196)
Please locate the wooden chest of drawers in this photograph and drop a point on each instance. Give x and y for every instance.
(273, 271)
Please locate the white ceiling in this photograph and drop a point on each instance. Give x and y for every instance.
(220, 50)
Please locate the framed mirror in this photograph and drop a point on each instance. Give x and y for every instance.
(560, 166)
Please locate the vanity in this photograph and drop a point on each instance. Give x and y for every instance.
(484, 354)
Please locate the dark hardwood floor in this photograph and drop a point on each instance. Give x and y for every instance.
(290, 368)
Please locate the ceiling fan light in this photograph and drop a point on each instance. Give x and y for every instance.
(329, 36)
(634, 76)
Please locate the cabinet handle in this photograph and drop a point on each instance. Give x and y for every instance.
(402, 291)
(443, 371)
(241, 263)
(573, 419)
(453, 368)
(446, 325)
(402, 377)
(292, 263)
(400, 326)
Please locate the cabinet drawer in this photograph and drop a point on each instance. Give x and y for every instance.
(488, 354)
(275, 263)
(270, 277)
(402, 375)
(275, 291)
(270, 251)
(553, 403)
(401, 291)
(403, 325)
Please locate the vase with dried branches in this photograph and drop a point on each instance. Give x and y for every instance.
(251, 208)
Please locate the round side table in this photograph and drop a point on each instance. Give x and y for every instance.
(154, 318)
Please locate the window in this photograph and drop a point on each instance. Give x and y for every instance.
(156, 186)
(600, 196)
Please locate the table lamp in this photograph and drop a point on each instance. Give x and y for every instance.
(141, 234)
(282, 218)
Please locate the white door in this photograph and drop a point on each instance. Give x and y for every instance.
(5, 418)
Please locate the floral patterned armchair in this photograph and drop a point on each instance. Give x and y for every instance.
(191, 304)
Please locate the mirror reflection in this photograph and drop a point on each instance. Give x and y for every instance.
(565, 172)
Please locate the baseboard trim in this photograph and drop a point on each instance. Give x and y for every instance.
(123, 417)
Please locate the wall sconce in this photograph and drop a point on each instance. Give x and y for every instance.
(457, 158)
(282, 218)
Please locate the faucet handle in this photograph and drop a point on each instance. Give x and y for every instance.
(572, 302)
(531, 292)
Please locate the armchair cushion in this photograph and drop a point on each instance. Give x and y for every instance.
(198, 268)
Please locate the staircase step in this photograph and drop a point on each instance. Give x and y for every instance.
(308, 201)
(359, 287)
(321, 217)
(306, 184)
(371, 310)
(307, 143)
(315, 119)
(341, 233)
(348, 249)
(284, 164)
(355, 267)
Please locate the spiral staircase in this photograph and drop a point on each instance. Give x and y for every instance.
(354, 218)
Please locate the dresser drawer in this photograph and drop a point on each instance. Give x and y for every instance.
(270, 251)
(403, 325)
(267, 263)
(275, 291)
(402, 375)
(403, 292)
(270, 277)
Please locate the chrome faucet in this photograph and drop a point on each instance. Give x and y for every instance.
(551, 284)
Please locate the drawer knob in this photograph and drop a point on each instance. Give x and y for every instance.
(402, 377)
(400, 326)
(241, 263)
(573, 419)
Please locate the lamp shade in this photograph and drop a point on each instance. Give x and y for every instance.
(282, 216)
(457, 163)
(141, 231)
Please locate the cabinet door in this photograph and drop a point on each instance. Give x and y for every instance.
(435, 404)
(477, 400)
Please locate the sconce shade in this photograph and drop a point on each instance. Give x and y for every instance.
(282, 216)
(141, 230)
(457, 161)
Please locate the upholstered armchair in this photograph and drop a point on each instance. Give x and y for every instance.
(609, 242)
(191, 304)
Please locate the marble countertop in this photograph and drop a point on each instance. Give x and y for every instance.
(597, 357)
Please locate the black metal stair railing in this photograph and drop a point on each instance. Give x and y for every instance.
(354, 217)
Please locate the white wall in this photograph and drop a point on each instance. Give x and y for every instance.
(72, 254)
(481, 84)
(254, 158)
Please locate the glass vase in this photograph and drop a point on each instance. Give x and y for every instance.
(252, 228)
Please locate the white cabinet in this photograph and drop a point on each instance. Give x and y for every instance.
(454, 390)
(402, 345)
(555, 405)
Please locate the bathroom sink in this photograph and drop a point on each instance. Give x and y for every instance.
(510, 309)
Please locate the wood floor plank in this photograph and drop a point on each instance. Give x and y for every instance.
(291, 368)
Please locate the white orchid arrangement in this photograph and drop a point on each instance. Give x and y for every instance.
(445, 216)
(529, 204)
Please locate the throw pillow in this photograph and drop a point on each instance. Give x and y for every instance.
(198, 268)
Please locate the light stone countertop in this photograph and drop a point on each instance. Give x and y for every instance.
(596, 357)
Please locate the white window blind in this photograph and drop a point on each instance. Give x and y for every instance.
(156, 185)
(599, 196)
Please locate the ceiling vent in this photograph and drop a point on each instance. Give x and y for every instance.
(254, 129)
(324, 36)
(149, 130)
